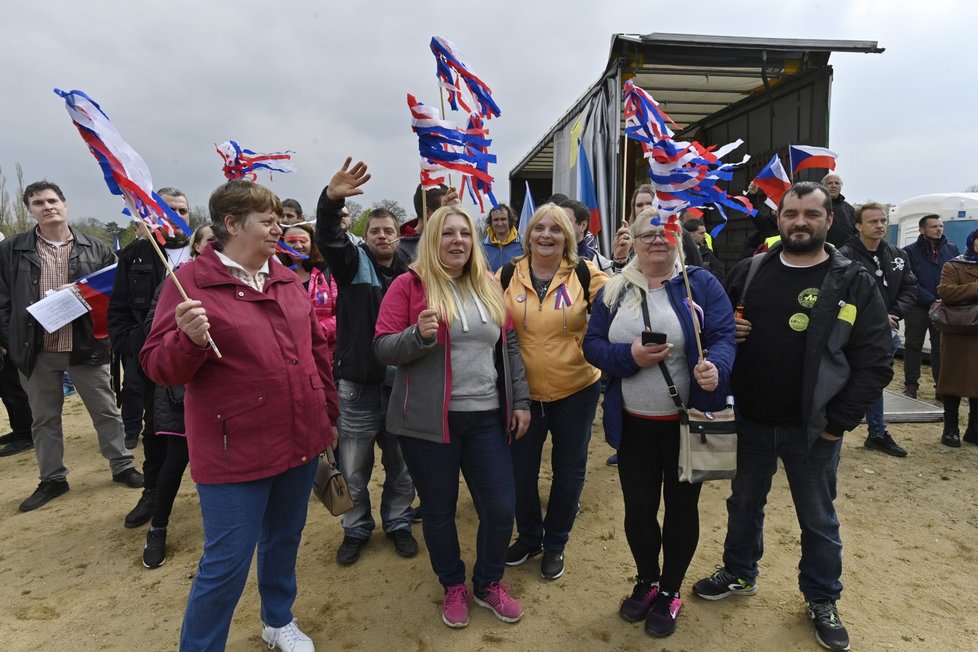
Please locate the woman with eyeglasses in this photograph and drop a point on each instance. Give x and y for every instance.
(642, 318)
(548, 294)
(313, 272)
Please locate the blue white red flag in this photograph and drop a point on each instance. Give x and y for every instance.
(527, 213)
(806, 157)
(479, 189)
(452, 72)
(242, 163)
(96, 289)
(125, 171)
(585, 189)
(773, 181)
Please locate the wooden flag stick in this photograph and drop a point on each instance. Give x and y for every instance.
(441, 96)
(624, 184)
(689, 295)
(151, 236)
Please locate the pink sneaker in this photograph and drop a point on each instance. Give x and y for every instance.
(495, 597)
(455, 608)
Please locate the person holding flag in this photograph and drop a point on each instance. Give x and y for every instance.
(49, 257)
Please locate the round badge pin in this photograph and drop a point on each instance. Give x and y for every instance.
(521, 298)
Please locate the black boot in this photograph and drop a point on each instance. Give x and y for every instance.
(951, 436)
(971, 432)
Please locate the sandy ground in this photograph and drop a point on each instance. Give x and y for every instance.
(71, 577)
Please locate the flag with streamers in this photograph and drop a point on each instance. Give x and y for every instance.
(445, 147)
(126, 173)
(685, 174)
(479, 189)
(242, 163)
(452, 72)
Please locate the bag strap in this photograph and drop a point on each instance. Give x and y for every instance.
(755, 264)
(328, 455)
(673, 391)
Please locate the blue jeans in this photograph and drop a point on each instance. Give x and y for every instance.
(874, 416)
(478, 448)
(271, 513)
(811, 477)
(569, 422)
(363, 413)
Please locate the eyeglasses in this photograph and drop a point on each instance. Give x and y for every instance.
(652, 236)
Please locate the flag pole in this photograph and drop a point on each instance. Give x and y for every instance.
(441, 97)
(151, 236)
(624, 184)
(689, 295)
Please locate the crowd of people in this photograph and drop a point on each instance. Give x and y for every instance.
(459, 356)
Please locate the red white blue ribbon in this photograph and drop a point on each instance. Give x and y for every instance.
(562, 298)
(452, 72)
(443, 146)
(241, 163)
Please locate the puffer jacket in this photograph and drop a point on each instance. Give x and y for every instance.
(551, 331)
(422, 389)
(20, 273)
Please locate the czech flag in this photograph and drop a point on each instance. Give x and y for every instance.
(585, 189)
(96, 289)
(774, 181)
(804, 157)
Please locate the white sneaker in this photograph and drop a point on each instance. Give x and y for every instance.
(289, 638)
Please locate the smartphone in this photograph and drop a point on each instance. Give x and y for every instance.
(650, 337)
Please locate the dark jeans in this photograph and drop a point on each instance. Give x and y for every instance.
(875, 421)
(478, 448)
(811, 476)
(15, 400)
(569, 422)
(132, 397)
(916, 324)
(648, 463)
(169, 479)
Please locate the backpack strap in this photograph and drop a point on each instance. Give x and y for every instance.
(755, 264)
(506, 275)
(584, 276)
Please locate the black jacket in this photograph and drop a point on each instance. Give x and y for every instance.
(847, 350)
(843, 222)
(362, 283)
(900, 292)
(139, 273)
(20, 273)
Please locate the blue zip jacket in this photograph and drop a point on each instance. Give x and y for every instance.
(717, 334)
(928, 271)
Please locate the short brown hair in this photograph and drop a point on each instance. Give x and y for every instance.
(239, 198)
(870, 206)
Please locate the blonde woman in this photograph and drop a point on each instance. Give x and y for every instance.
(448, 314)
(548, 294)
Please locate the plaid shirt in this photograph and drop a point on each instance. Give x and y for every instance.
(237, 271)
(54, 273)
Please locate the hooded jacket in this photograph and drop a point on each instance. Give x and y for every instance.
(422, 389)
(20, 273)
(847, 350)
(900, 290)
(499, 253)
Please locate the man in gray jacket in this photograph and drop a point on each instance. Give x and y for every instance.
(50, 257)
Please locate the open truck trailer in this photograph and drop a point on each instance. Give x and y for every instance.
(769, 92)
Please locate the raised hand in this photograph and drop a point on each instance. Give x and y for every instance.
(347, 181)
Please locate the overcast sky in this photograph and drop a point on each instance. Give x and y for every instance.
(329, 79)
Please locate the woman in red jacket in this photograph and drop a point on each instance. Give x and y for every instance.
(257, 417)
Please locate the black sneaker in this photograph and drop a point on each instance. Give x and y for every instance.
(829, 630)
(661, 621)
(349, 551)
(130, 477)
(404, 542)
(971, 432)
(154, 553)
(132, 440)
(636, 607)
(18, 445)
(143, 511)
(885, 444)
(552, 565)
(910, 391)
(721, 584)
(46, 491)
(519, 552)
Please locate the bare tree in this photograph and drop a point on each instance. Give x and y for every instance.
(6, 215)
(972, 188)
(392, 206)
(355, 208)
(22, 219)
(199, 216)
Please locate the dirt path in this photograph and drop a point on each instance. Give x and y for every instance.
(71, 577)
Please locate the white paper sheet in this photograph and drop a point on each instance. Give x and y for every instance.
(58, 308)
